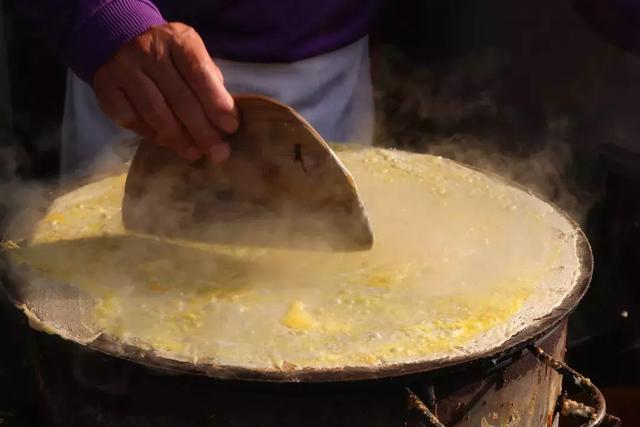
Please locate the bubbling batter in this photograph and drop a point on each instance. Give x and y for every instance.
(461, 263)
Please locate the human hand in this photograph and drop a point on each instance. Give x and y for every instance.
(164, 86)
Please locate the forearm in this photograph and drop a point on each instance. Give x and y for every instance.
(86, 33)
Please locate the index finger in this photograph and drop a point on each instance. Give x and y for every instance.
(193, 62)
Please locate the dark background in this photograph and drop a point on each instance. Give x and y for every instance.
(527, 89)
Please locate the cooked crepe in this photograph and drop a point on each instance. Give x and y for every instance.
(461, 263)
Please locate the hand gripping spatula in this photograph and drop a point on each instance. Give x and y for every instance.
(282, 186)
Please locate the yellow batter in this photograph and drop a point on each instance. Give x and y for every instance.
(458, 263)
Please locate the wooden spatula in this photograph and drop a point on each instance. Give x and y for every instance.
(281, 186)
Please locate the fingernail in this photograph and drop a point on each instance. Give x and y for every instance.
(228, 100)
(218, 153)
(228, 123)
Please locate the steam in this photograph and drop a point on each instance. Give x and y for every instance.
(22, 201)
(25, 200)
(545, 172)
(463, 110)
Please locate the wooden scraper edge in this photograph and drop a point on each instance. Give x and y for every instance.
(282, 186)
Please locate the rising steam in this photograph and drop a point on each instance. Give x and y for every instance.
(462, 110)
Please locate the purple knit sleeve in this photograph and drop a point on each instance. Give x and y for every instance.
(86, 33)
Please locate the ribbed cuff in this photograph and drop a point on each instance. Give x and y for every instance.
(113, 25)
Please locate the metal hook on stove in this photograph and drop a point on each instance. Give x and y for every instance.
(418, 404)
(597, 415)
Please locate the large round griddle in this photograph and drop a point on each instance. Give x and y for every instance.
(57, 308)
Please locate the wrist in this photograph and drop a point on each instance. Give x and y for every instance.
(107, 29)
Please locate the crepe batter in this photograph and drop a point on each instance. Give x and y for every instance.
(461, 262)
